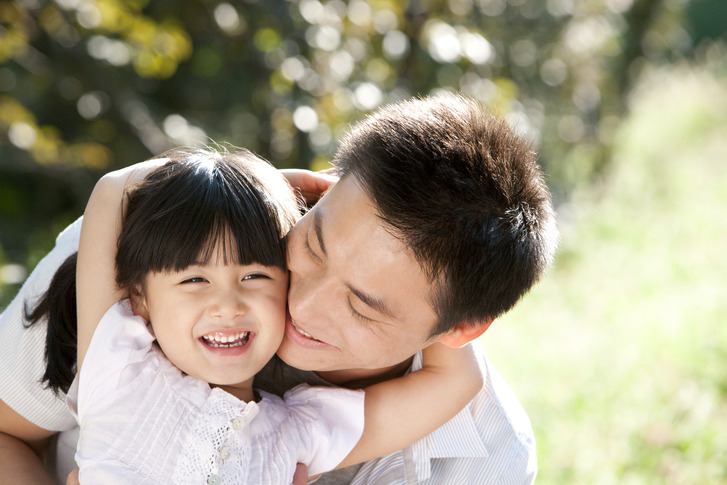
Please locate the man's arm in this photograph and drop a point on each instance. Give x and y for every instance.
(21, 442)
(401, 411)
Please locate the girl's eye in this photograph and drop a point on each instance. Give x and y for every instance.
(254, 276)
(195, 279)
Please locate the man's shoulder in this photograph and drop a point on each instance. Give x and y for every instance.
(491, 439)
(496, 410)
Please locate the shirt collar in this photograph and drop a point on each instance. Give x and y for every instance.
(457, 438)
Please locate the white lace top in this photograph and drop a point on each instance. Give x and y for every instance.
(143, 421)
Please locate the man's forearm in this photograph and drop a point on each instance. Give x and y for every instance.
(20, 464)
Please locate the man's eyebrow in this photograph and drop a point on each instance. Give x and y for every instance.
(377, 304)
(319, 232)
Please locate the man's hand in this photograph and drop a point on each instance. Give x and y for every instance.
(310, 185)
(301, 475)
(73, 478)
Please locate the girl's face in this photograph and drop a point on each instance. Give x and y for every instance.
(220, 323)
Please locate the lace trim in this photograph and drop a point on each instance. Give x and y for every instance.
(218, 447)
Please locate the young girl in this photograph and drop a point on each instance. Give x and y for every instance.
(164, 390)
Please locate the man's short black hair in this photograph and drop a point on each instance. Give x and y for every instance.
(460, 188)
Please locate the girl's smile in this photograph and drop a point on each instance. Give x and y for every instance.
(219, 322)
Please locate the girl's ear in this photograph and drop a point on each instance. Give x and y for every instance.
(138, 303)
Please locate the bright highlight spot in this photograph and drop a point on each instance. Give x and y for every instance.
(305, 118)
(22, 135)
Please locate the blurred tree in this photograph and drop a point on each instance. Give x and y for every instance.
(90, 85)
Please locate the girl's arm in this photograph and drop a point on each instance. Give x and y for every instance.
(401, 411)
(95, 271)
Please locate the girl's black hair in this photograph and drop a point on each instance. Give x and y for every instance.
(199, 202)
(58, 306)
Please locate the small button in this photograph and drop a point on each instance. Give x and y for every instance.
(238, 423)
(214, 480)
(225, 453)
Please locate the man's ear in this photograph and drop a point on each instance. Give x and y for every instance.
(138, 303)
(463, 333)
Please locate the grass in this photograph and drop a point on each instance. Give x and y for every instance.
(620, 354)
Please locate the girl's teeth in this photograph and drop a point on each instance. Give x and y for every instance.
(219, 340)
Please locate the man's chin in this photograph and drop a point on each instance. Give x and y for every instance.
(295, 356)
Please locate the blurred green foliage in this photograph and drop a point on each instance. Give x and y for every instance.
(623, 345)
(87, 86)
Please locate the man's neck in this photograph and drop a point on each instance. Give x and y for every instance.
(360, 378)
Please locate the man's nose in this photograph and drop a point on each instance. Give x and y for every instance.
(309, 296)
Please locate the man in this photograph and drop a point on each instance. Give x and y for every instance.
(440, 223)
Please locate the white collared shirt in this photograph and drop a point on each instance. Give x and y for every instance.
(489, 442)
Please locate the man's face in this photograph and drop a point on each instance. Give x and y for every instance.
(358, 299)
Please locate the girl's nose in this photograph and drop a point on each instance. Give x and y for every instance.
(228, 304)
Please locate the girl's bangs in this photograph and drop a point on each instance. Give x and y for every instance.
(229, 232)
